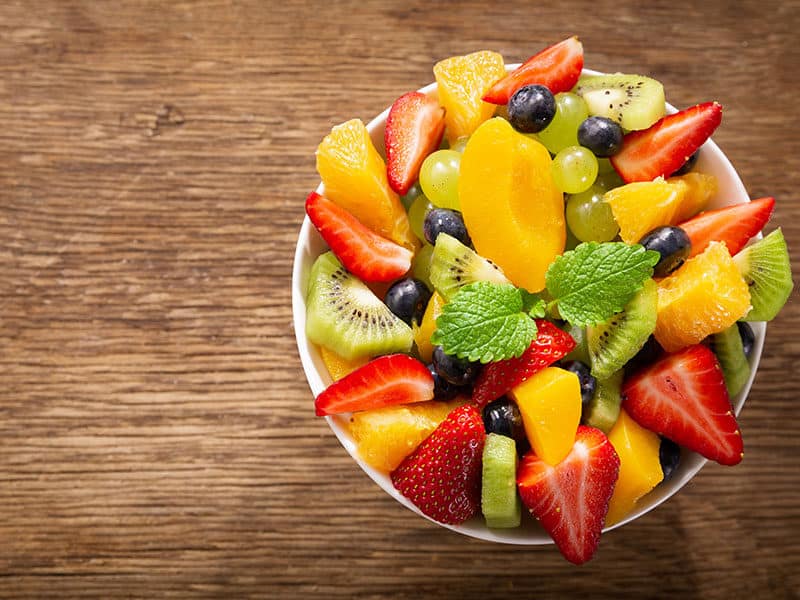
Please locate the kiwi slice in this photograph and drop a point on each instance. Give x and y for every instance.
(453, 265)
(344, 315)
(727, 345)
(500, 503)
(766, 268)
(579, 352)
(603, 409)
(633, 101)
(615, 342)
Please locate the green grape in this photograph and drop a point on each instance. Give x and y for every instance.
(604, 166)
(416, 215)
(571, 241)
(590, 218)
(439, 178)
(571, 111)
(609, 180)
(574, 169)
(460, 144)
(411, 195)
(421, 265)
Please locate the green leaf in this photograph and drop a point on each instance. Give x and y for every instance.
(595, 281)
(486, 322)
(533, 305)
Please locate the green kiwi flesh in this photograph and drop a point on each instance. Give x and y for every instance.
(453, 266)
(767, 269)
(633, 101)
(603, 409)
(727, 345)
(500, 503)
(344, 315)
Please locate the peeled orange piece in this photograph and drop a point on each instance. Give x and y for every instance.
(463, 81)
(642, 206)
(706, 295)
(339, 366)
(355, 178)
(700, 188)
(511, 207)
(424, 331)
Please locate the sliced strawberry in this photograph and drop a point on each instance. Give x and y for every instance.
(384, 381)
(414, 129)
(570, 499)
(551, 344)
(662, 148)
(557, 67)
(442, 477)
(683, 397)
(734, 225)
(363, 252)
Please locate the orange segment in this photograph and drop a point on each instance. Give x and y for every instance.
(706, 295)
(354, 175)
(338, 366)
(641, 207)
(463, 80)
(700, 188)
(424, 331)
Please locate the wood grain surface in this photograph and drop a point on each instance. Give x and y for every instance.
(156, 431)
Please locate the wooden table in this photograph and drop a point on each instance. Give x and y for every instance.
(156, 430)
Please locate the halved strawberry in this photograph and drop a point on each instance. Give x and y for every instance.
(363, 252)
(570, 499)
(414, 129)
(551, 344)
(734, 225)
(442, 477)
(683, 397)
(662, 148)
(384, 381)
(557, 67)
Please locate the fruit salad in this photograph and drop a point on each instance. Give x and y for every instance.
(526, 305)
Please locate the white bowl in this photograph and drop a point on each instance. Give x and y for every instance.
(310, 245)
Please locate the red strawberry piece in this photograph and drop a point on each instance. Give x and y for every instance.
(557, 67)
(570, 499)
(384, 381)
(497, 378)
(363, 252)
(442, 477)
(414, 129)
(734, 225)
(683, 397)
(662, 148)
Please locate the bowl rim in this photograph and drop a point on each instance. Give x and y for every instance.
(532, 535)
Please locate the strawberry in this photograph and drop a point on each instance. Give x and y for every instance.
(384, 381)
(683, 397)
(551, 344)
(442, 477)
(570, 499)
(734, 225)
(414, 129)
(557, 67)
(661, 149)
(363, 252)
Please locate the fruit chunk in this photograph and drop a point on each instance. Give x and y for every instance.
(500, 503)
(363, 252)
(633, 101)
(550, 405)
(424, 331)
(354, 175)
(766, 268)
(462, 81)
(642, 206)
(683, 397)
(344, 315)
(603, 409)
(339, 366)
(556, 67)
(639, 465)
(700, 188)
(453, 266)
(728, 347)
(442, 477)
(512, 208)
(706, 295)
(570, 499)
(414, 129)
(385, 436)
(734, 225)
(661, 149)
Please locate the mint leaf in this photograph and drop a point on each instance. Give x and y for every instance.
(486, 322)
(532, 304)
(595, 281)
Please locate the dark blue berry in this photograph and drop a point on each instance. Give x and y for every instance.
(600, 135)
(442, 389)
(669, 453)
(531, 108)
(587, 380)
(748, 337)
(688, 165)
(443, 220)
(502, 417)
(454, 370)
(408, 298)
(647, 355)
(672, 243)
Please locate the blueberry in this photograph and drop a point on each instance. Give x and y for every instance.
(748, 337)
(442, 389)
(672, 243)
(688, 165)
(408, 298)
(647, 355)
(502, 417)
(531, 108)
(443, 220)
(587, 380)
(669, 453)
(454, 370)
(600, 135)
